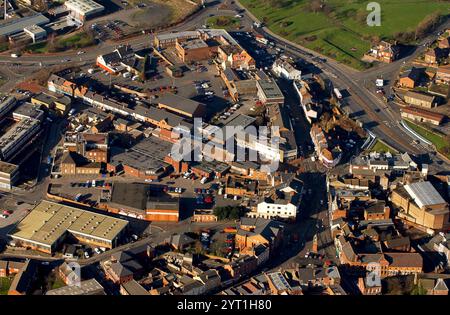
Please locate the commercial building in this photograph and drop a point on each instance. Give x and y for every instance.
(170, 39)
(420, 203)
(47, 225)
(286, 70)
(18, 137)
(378, 164)
(282, 128)
(192, 50)
(329, 157)
(113, 62)
(6, 105)
(73, 163)
(269, 92)
(180, 105)
(15, 26)
(60, 85)
(107, 104)
(35, 32)
(143, 201)
(87, 287)
(160, 118)
(390, 264)
(93, 146)
(419, 99)
(422, 115)
(256, 231)
(9, 174)
(281, 206)
(82, 10)
(235, 57)
(146, 160)
(132, 287)
(238, 87)
(28, 110)
(57, 103)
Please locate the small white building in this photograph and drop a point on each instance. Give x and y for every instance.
(286, 70)
(284, 203)
(277, 209)
(35, 32)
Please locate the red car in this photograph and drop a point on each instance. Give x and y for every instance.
(7, 212)
(208, 199)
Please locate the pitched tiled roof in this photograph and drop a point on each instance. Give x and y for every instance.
(120, 270)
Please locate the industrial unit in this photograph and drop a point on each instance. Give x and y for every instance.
(46, 227)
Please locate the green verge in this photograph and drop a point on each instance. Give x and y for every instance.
(439, 141)
(381, 146)
(5, 283)
(228, 23)
(341, 31)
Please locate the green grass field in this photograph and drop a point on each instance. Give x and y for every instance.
(438, 140)
(79, 40)
(381, 146)
(75, 41)
(226, 22)
(5, 283)
(341, 32)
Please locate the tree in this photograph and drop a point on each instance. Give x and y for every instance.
(316, 6)
(418, 290)
(428, 24)
(229, 212)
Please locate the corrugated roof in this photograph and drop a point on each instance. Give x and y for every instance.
(424, 194)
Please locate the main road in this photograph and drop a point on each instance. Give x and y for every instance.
(371, 110)
(375, 114)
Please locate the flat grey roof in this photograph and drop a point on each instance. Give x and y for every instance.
(87, 287)
(180, 103)
(17, 25)
(140, 197)
(270, 89)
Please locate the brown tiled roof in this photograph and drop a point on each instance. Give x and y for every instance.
(420, 96)
(423, 113)
(444, 69)
(404, 260)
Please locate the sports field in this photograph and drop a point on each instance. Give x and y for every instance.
(338, 28)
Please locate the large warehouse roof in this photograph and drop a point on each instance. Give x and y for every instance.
(49, 221)
(17, 25)
(424, 194)
(85, 7)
